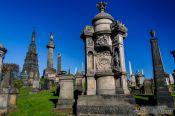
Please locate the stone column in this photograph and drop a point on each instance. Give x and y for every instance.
(122, 64)
(51, 47)
(59, 63)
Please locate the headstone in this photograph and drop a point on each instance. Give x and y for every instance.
(148, 86)
(162, 94)
(66, 98)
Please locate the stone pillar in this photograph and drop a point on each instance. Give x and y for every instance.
(59, 63)
(51, 47)
(122, 64)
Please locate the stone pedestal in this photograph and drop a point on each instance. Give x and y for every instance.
(105, 85)
(106, 105)
(91, 86)
(66, 98)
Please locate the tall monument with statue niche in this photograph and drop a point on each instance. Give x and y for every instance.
(162, 94)
(31, 61)
(105, 69)
(104, 52)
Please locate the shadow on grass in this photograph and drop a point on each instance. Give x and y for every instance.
(54, 101)
(143, 100)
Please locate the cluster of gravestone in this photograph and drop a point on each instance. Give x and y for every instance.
(104, 90)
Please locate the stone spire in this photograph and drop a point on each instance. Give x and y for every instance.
(51, 47)
(130, 69)
(82, 68)
(33, 35)
(59, 63)
(31, 60)
(161, 90)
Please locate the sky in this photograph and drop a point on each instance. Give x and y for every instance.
(67, 18)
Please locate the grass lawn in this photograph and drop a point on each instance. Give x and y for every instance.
(39, 104)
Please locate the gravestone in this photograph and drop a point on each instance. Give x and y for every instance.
(161, 92)
(66, 95)
(148, 89)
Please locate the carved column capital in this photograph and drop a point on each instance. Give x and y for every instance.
(119, 28)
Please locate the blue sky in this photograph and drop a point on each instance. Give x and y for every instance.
(67, 18)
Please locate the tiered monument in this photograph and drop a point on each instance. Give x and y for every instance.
(162, 95)
(105, 72)
(31, 62)
(50, 72)
(3, 51)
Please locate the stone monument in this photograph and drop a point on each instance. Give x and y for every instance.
(50, 72)
(59, 63)
(162, 95)
(66, 95)
(3, 51)
(105, 72)
(31, 62)
(131, 75)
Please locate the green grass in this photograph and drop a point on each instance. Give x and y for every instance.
(39, 104)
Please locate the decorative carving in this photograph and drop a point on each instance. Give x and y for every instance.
(103, 40)
(103, 61)
(116, 60)
(118, 26)
(90, 42)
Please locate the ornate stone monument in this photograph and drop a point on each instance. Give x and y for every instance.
(162, 95)
(105, 71)
(3, 51)
(31, 62)
(50, 72)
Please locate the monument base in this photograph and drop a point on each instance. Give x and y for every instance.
(110, 105)
(164, 97)
(64, 106)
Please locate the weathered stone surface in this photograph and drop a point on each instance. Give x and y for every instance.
(163, 96)
(3, 101)
(31, 62)
(105, 105)
(148, 89)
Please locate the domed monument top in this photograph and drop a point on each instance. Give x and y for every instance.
(102, 15)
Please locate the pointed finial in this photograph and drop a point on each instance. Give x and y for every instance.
(51, 36)
(152, 33)
(101, 6)
(33, 34)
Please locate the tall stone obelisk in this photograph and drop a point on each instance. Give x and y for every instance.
(131, 75)
(162, 94)
(59, 63)
(3, 51)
